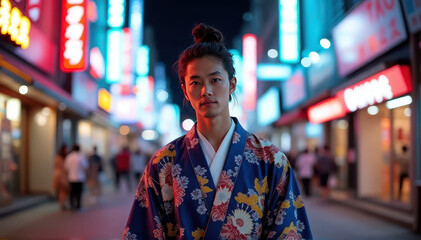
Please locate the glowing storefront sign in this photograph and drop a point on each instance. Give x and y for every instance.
(289, 31)
(73, 36)
(293, 90)
(116, 13)
(136, 25)
(372, 28)
(14, 24)
(273, 72)
(268, 107)
(96, 62)
(104, 99)
(250, 65)
(142, 67)
(114, 56)
(326, 110)
(390, 83)
(127, 53)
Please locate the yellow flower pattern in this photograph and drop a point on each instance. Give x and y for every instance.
(203, 182)
(198, 234)
(164, 153)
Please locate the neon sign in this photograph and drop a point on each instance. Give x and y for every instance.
(14, 24)
(250, 66)
(289, 31)
(390, 83)
(73, 36)
(116, 13)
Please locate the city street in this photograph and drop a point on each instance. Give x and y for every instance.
(106, 219)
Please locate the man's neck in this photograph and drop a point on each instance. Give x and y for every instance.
(214, 129)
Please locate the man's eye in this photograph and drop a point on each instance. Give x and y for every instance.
(216, 79)
(194, 83)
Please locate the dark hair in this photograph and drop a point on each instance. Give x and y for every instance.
(208, 41)
(63, 151)
(76, 148)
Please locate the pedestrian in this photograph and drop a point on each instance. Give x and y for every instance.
(95, 168)
(123, 167)
(404, 167)
(138, 163)
(305, 166)
(76, 166)
(218, 181)
(326, 167)
(60, 182)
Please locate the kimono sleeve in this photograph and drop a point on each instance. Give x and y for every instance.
(146, 216)
(287, 217)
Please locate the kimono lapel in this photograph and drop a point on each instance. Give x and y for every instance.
(226, 182)
(200, 167)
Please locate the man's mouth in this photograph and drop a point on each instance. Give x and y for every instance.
(207, 102)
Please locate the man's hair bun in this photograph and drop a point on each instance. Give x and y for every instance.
(203, 33)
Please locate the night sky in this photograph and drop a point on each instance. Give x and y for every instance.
(173, 21)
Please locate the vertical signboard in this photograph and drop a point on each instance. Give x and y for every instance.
(250, 66)
(289, 31)
(73, 36)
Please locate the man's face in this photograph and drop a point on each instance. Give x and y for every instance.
(207, 87)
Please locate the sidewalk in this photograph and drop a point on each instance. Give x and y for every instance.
(23, 203)
(104, 220)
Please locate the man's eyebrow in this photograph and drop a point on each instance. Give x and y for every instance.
(214, 73)
(210, 74)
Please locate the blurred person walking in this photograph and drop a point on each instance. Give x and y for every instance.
(138, 163)
(60, 182)
(76, 166)
(123, 167)
(326, 167)
(95, 168)
(404, 167)
(305, 166)
(218, 180)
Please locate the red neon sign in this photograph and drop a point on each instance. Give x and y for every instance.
(73, 36)
(250, 66)
(326, 110)
(390, 83)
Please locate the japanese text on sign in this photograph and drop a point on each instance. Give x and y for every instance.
(73, 56)
(14, 24)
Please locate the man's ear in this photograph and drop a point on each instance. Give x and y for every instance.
(184, 91)
(233, 85)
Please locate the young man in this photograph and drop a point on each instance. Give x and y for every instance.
(217, 181)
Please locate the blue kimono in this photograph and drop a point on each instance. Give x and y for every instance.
(257, 196)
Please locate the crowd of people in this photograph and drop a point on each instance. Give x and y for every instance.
(73, 170)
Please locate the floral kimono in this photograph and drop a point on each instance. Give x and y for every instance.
(257, 196)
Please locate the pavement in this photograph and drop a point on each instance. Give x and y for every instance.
(105, 220)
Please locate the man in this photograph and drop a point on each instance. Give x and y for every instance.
(218, 181)
(76, 165)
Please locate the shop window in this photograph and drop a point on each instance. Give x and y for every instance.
(401, 153)
(10, 142)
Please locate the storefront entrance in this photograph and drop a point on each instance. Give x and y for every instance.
(383, 140)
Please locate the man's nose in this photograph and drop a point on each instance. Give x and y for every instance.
(206, 90)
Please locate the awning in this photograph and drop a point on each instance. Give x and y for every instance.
(23, 73)
(291, 117)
